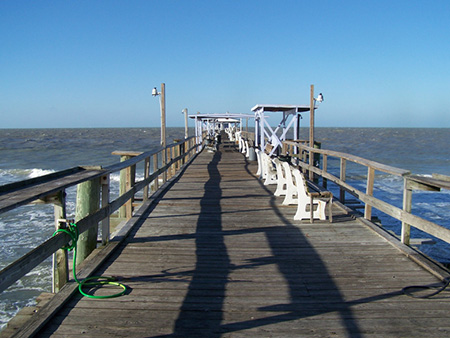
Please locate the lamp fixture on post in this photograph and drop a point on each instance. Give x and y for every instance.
(319, 98)
(155, 92)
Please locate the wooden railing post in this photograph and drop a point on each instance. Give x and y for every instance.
(88, 201)
(146, 175)
(325, 168)
(369, 191)
(164, 162)
(60, 269)
(407, 206)
(179, 152)
(169, 169)
(127, 179)
(155, 168)
(173, 166)
(311, 163)
(131, 178)
(105, 182)
(343, 165)
(185, 148)
(123, 187)
(285, 148)
(304, 156)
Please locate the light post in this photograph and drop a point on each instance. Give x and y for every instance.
(186, 131)
(162, 104)
(311, 125)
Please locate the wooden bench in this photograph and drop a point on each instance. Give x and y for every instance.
(312, 196)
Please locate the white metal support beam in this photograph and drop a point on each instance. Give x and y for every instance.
(289, 119)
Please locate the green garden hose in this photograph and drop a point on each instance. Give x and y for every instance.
(72, 231)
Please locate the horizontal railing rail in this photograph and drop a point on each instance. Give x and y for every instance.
(16, 194)
(51, 189)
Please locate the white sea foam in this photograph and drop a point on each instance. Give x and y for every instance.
(114, 177)
(39, 172)
(13, 175)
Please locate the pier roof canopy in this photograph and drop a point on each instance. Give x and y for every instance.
(280, 108)
(226, 117)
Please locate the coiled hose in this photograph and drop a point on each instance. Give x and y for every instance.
(72, 231)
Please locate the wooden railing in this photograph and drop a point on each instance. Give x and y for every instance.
(92, 183)
(305, 153)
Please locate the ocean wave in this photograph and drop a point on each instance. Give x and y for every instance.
(13, 175)
(39, 172)
(115, 177)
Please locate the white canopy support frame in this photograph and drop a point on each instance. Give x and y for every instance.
(290, 119)
(214, 122)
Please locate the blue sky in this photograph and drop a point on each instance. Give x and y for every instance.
(94, 63)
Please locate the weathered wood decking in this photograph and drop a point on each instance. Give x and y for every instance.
(219, 256)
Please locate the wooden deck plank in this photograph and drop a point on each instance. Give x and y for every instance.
(221, 257)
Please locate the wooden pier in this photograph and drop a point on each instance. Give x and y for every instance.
(218, 255)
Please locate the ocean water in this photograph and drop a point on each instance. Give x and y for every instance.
(27, 153)
(421, 151)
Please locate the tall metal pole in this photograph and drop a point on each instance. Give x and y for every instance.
(311, 131)
(186, 131)
(296, 130)
(163, 127)
(311, 118)
(163, 115)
